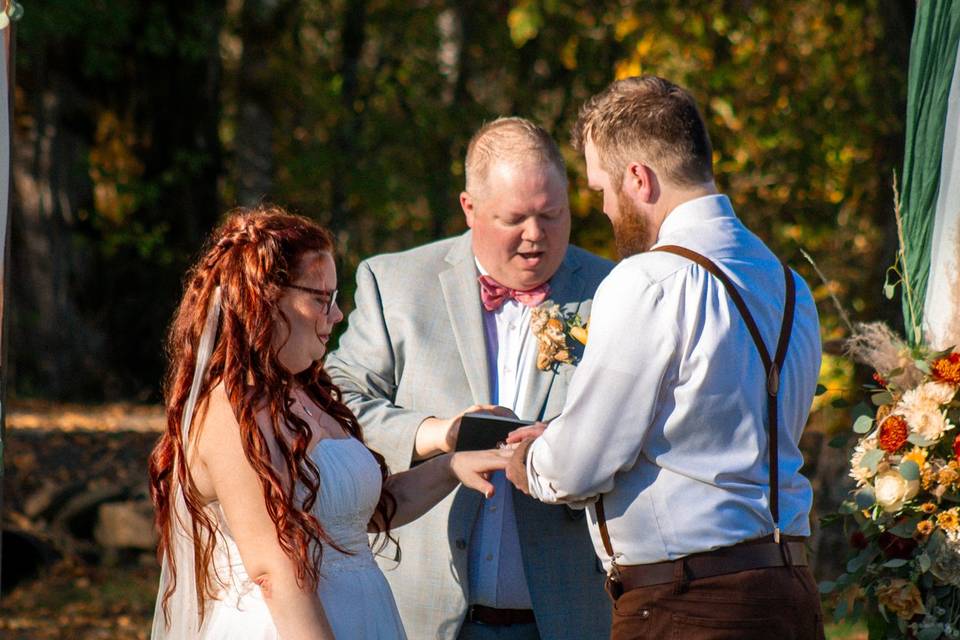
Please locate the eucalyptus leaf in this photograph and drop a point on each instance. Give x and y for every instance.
(930, 633)
(863, 424)
(871, 459)
(923, 365)
(884, 397)
(862, 409)
(893, 373)
(847, 507)
(923, 562)
(910, 470)
(865, 498)
(820, 390)
(895, 563)
(839, 441)
(827, 586)
(905, 529)
(920, 441)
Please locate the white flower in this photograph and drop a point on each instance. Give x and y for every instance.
(921, 408)
(939, 393)
(858, 473)
(892, 490)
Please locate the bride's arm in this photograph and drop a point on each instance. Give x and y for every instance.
(420, 488)
(296, 609)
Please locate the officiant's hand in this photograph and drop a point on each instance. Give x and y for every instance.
(523, 434)
(439, 435)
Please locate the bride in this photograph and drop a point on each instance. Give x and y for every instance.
(264, 491)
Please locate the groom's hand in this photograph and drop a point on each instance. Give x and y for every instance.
(517, 467)
(522, 434)
(439, 435)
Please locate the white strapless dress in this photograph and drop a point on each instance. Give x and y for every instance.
(355, 595)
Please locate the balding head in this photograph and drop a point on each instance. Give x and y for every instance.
(515, 141)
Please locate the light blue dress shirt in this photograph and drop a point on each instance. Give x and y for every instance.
(495, 566)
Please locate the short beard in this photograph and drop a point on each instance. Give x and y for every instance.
(630, 229)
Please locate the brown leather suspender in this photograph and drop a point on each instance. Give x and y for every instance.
(771, 366)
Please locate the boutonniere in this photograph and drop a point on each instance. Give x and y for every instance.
(551, 327)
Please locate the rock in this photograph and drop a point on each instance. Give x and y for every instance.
(125, 525)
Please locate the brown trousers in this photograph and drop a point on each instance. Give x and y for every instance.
(779, 603)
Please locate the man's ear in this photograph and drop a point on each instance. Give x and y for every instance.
(640, 182)
(466, 203)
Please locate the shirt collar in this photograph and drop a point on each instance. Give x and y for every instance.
(696, 212)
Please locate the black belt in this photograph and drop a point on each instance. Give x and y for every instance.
(499, 617)
(740, 557)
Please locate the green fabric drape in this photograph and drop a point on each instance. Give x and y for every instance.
(933, 51)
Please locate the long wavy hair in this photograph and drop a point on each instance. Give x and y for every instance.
(251, 256)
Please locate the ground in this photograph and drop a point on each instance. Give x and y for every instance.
(111, 596)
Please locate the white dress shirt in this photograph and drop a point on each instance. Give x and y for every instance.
(666, 413)
(495, 566)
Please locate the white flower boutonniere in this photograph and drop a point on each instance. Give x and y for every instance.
(551, 327)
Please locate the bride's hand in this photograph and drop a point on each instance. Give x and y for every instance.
(473, 468)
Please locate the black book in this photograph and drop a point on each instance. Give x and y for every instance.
(484, 431)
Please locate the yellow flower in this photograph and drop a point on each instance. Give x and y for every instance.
(579, 334)
(927, 477)
(918, 455)
(948, 520)
(928, 508)
(901, 597)
(924, 528)
(947, 475)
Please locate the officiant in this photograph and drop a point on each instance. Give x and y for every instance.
(445, 328)
(681, 426)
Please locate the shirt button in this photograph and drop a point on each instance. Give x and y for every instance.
(489, 557)
(493, 508)
(461, 544)
(645, 613)
(511, 326)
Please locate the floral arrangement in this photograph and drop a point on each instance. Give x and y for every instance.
(905, 508)
(551, 327)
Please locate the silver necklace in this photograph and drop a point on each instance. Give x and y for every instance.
(303, 406)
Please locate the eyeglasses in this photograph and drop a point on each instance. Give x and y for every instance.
(327, 304)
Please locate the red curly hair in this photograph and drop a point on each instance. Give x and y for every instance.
(251, 256)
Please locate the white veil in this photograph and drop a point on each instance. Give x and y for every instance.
(184, 618)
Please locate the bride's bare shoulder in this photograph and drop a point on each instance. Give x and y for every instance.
(216, 424)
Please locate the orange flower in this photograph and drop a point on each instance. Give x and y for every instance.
(947, 369)
(948, 520)
(893, 433)
(956, 447)
(879, 379)
(924, 529)
(928, 507)
(901, 597)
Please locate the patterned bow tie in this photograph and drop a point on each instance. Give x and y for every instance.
(493, 294)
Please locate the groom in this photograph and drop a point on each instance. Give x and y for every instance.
(682, 423)
(444, 329)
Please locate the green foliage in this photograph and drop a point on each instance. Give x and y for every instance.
(372, 103)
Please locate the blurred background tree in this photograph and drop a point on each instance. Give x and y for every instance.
(139, 124)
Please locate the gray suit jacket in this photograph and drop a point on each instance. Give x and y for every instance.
(414, 349)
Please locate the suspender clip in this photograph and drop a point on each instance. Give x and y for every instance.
(773, 381)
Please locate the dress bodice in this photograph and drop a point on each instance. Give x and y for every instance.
(350, 488)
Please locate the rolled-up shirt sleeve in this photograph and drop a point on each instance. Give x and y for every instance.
(613, 396)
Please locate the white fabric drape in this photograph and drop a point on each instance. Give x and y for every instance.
(184, 618)
(941, 309)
